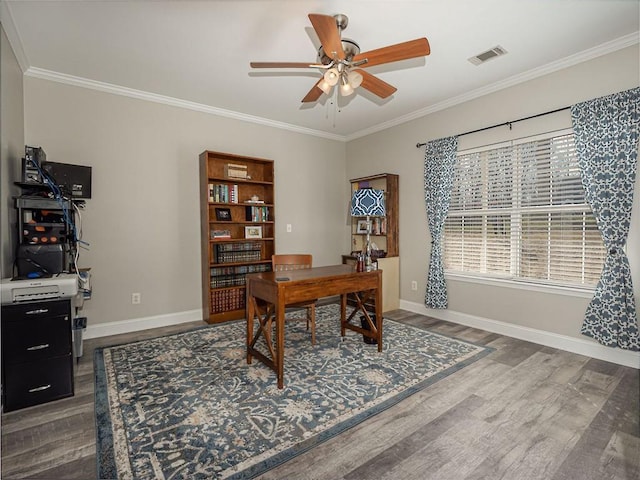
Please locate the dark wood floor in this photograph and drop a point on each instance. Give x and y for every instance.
(523, 412)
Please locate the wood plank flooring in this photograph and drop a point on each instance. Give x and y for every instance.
(523, 412)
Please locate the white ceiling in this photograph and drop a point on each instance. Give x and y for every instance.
(197, 53)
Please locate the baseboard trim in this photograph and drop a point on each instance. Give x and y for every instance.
(585, 347)
(574, 345)
(144, 323)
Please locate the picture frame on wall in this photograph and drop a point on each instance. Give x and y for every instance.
(223, 214)
(253, 231)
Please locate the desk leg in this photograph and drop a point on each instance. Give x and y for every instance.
(250, 314)
(343, 314)
(378, 298)
(279, 357)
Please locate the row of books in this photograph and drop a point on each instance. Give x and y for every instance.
(236, 257)
(241, 269)
(257, 214)
(239, 246)
(379, 226)
(225, 300)
(228, 281)
(221, 193)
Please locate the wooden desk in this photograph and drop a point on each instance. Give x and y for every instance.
(390, 267)
(302, 285)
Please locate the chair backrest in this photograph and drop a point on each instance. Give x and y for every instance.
(295, 261)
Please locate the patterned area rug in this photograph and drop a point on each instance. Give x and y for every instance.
(188, 405)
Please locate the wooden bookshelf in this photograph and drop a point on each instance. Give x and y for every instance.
(237, 229)
(384, 234)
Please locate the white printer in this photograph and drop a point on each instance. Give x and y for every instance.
(62, 285)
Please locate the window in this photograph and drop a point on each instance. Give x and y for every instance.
(518, 212)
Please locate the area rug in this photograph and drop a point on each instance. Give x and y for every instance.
(188, 405)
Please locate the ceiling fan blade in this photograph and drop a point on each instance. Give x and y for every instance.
(327, 31)
(376, 86)
(283, 65)
(394, 53)
(314, 93)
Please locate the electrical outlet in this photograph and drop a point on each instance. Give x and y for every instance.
(414, 285)
(135, 298)
(288, 227)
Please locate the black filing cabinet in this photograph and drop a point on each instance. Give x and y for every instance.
(37, 353)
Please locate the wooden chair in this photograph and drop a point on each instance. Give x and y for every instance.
(284, 262)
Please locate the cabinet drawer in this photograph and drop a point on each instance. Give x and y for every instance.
(28, 340)
(33, 383)
(30, 310)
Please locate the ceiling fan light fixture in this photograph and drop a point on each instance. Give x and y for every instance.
(346, 90)
(325, 87)
(345, 87)
(331, 76)
(355, 79)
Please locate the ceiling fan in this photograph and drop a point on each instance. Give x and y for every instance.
(339, 58)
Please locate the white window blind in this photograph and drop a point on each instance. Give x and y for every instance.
(518, 212)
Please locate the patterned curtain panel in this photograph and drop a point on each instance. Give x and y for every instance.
(439, 159)
(606, 131)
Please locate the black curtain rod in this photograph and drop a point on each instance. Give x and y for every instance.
(418, 145)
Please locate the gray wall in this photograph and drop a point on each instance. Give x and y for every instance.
(142, 221)
(11, 148)
(394, 151)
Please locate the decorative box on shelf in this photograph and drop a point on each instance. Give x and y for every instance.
(236, 170)
(220, 234)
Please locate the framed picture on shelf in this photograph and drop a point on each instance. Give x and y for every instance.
(223, 214)
(253, 231)
(362, 226)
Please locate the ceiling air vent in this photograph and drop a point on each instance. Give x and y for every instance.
(488, 55)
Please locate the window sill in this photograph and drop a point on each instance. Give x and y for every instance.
(523, 285)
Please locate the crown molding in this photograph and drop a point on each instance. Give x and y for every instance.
(604, 49)
(166, 100)
(6, 18)
(35, 72)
